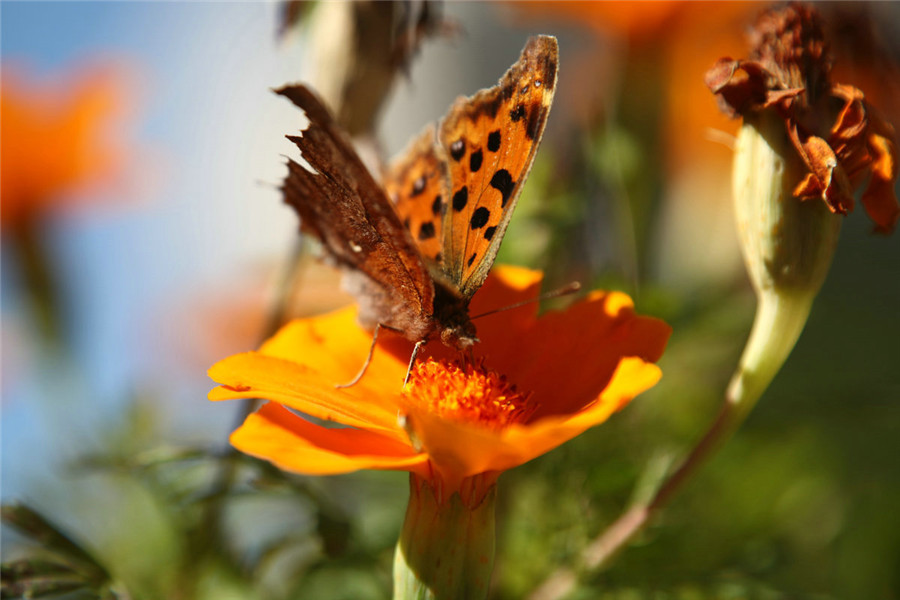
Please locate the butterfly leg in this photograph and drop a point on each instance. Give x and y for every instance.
(412, 360)
(365, 366)
(469, 355)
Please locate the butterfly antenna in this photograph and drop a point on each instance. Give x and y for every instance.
(563, 291)
(365, 364)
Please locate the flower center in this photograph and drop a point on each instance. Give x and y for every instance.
(470, 394)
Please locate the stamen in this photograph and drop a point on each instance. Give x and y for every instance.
(469, 393)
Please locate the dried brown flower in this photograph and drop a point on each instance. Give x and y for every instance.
(840, 138)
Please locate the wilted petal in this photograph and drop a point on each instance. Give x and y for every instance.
(826, 179)
(880, 197)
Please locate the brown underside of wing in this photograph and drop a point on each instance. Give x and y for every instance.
(343, 207)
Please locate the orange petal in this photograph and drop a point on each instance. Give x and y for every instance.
(500, 333)
(255, 375)
(631, 377)
(335, 346)
(459, 450)
(588, 341)
(291, 443)
(506, 286)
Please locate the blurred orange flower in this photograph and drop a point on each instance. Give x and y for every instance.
(61, 141)
(537, 382)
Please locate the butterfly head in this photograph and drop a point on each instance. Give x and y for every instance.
(451, 318)
(460, 335)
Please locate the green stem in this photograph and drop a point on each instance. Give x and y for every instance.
(40, 282)
(780, 318)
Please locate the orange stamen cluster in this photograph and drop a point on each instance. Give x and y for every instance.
(470, 394)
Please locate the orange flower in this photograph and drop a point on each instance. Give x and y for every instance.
(59, 140)
(788, 72)
(536, 383)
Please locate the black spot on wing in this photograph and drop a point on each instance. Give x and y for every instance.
(475, 160)
(436, 205)
(461, 198)
(480, 218)
(426, 231)
(489, 233)
(502, 181)
(406, 223)
(493, 143)
(517, 113)
(438, 257)
(457, 149)
(472, 258)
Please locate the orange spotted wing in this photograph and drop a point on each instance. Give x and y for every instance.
(490, 141)
(417, 248)
(417, 183)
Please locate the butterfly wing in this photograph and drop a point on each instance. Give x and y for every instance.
(416, 183)
(346, 210)
(489, 141)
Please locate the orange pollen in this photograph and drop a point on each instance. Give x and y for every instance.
(470, 394)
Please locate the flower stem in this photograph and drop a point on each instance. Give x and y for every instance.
(446, 547)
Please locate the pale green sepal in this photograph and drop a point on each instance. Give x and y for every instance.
(788, 245)
(446, 549)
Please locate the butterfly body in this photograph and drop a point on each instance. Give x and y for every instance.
(417, 246)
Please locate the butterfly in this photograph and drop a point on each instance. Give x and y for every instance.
(417, 247)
